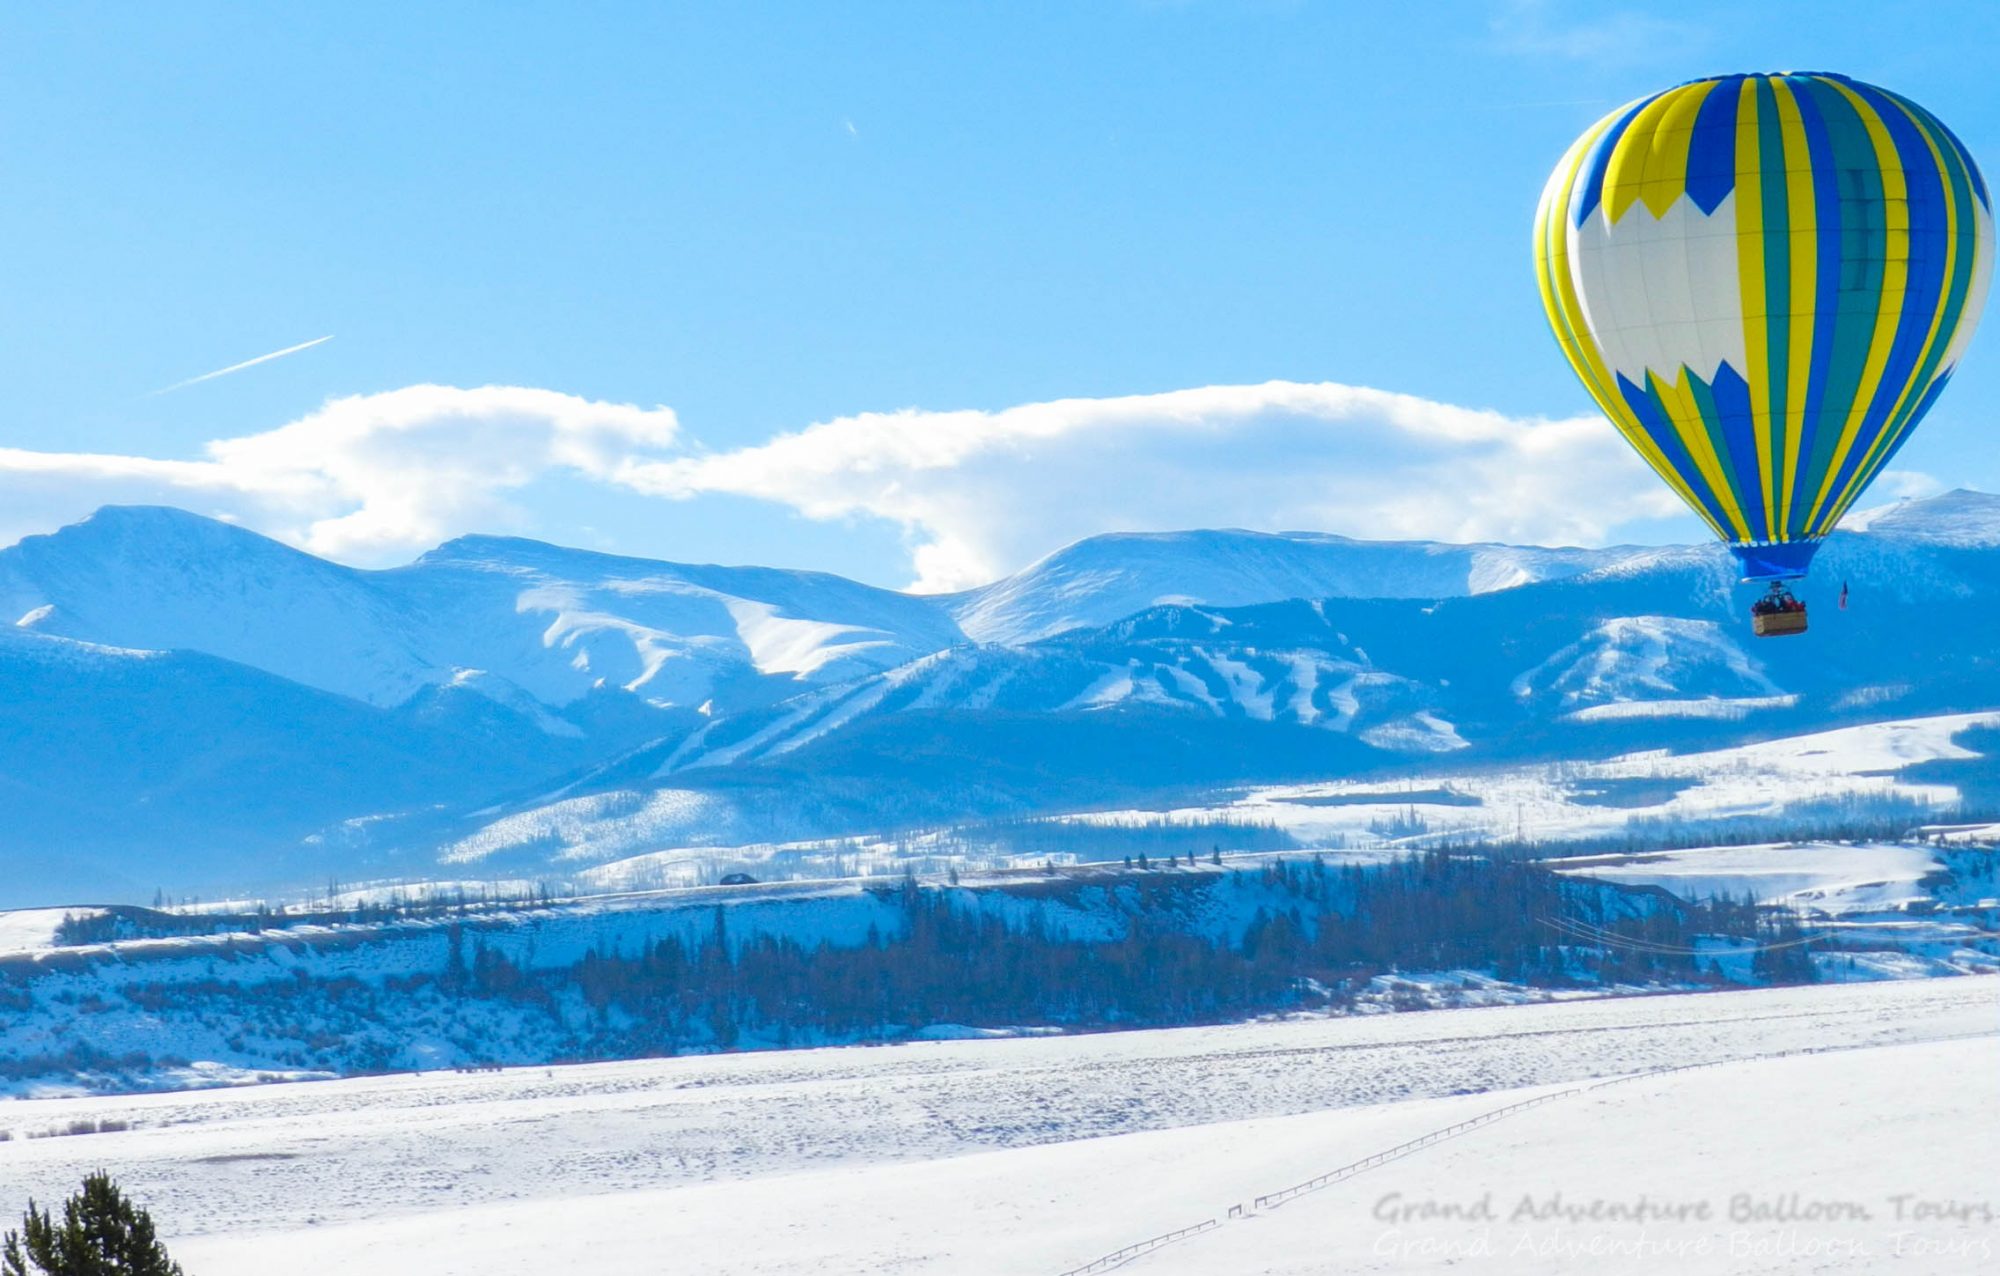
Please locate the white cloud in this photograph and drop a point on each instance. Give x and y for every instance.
(365, 478)
(979, 494)
(375, 478)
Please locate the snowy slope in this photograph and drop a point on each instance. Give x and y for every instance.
(1790, 784)
(1045, 1209)
(1959, 518)
(924, 1157)
(1284, 663)
(1659, 662)
(1821, 876)
(560, 622)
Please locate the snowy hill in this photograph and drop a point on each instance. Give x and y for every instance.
(514, 706)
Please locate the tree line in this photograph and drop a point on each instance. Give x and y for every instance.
(1320, 937)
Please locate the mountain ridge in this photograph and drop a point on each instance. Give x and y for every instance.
(553, 706)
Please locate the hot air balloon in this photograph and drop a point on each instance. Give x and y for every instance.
(1765, 281)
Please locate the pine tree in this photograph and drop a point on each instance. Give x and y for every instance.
(101, 1234)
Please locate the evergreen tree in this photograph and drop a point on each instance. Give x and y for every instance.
(101, 1234)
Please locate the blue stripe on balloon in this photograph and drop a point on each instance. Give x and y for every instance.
(1600, 161)
(1711, 162)
(1785, 561)
(1738, 426)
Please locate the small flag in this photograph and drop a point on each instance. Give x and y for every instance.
(1843, 595)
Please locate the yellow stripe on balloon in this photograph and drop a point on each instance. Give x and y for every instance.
(1889, 308)
(1756, 303)
(1663, 175)
(1805, 278)
(1632, 161)
(1685, 413)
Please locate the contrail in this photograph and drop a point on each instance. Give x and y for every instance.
(238, 367)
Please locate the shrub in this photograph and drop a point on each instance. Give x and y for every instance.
(101, 1234)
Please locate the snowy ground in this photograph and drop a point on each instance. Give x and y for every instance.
(26, 930)
(1035, 1155)
(1779, 781)
(1827, 876)
(1776, 786)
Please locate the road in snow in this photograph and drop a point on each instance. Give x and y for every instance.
(989, 1156)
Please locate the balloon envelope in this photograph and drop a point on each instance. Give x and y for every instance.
(1765, 281)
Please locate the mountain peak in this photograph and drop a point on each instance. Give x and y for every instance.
(126, 520)
(1960, 517)
(139, 536)
(482, 549)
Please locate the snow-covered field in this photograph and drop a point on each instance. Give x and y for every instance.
(27, 930)
(1037, 1155)
(1786, 780)
(1825, 876)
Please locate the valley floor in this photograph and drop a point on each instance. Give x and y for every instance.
(1038, 1155)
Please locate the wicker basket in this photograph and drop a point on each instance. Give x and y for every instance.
(1778, 623)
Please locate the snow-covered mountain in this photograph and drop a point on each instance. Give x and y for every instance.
(1967, 520)
(1099, 580)
(1277, 663)
(489, 612)
(190, 705)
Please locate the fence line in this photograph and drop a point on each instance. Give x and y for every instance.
(1401, 1150)
(1119, 1257)
(1270, 1200)
(1331, 1177)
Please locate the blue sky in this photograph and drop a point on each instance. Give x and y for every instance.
(762, 217)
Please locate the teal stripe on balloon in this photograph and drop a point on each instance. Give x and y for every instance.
(1826, 283)
(1960, 155)
(1961, 194)
(1857, 298)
